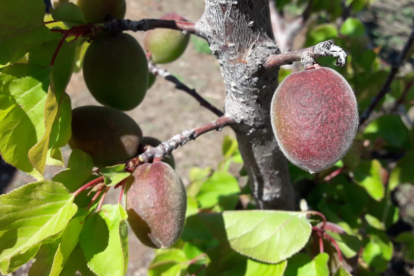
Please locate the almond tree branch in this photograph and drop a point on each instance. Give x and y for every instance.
(326, 48)
(178, 140)
(386, 87)
(181, 86)
(119, 25)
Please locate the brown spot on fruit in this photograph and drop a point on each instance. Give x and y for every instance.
(156, 204)
(314, 116)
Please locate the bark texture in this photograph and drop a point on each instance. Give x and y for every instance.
(240, 35)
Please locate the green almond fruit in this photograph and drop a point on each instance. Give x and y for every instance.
(115, 69)
(166, 45)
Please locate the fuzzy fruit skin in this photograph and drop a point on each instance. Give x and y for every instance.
(108, 135)
(166, 45)
(95, 11)
(315, 118)
(154, 142)
(115, 69)
(156, 204)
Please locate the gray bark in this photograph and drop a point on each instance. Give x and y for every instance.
(240, 35)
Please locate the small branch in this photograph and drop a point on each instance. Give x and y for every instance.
(334, 174)
(89, 185)
(386, 87)
(181, 86)
(103, 198)
(178, 140)
(403, 95)
(119, 25)
(323, 49)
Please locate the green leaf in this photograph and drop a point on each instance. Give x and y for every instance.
(197, 178)
(321, 33)
(267, 236)
(114, 174)
(76, 264)
(44, 259)
(220, 184)
(348, 244)
(192, 206)
(23, 92)
(296, 263)
(79, 169)
(342, 272)
(69, 241)
(378, 251)
(388, 127)
(63, 65)
(170, 262)
(256, 268)
(104, 241)
(352, 27)
(31, 214)
(368, 175)
(403, 172)
(11, 265)
(21, 28)
(38, 153)
(69, 12)
(302, 265)
(200, 45)
(374, 222)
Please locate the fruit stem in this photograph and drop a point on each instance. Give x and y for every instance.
(319, 214)
(95, 197)
(65, 35)
(103, 198)
(332, 240)
(334, 174)
(88, 185)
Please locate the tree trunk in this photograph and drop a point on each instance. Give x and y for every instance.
(240, 35)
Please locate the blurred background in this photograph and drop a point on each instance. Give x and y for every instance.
(373, 42)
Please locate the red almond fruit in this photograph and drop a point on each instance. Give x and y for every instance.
(156, 203)
(314, 116)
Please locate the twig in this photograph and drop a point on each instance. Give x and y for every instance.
(403, 95)
(88, 185)
(181, 86)
(319, 214)
(119, 25)
(178, 140)
(334, 174)
(386, 87)
(326, 48)
(103, 198)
